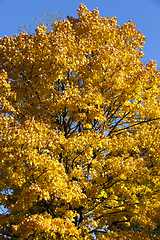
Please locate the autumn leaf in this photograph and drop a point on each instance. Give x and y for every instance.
(79, 132)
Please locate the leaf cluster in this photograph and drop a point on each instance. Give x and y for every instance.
(79, 132)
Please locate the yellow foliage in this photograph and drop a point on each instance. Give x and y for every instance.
(79, 132)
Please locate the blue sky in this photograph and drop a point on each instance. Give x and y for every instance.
(145, 13)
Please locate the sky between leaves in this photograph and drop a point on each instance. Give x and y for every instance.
(145, 13)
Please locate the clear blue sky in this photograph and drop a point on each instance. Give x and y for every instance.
(145, 13)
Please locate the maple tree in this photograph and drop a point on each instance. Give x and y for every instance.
(79, 132)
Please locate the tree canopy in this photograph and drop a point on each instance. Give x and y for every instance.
(79, 132)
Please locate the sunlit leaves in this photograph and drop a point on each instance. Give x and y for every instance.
(79, 132)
